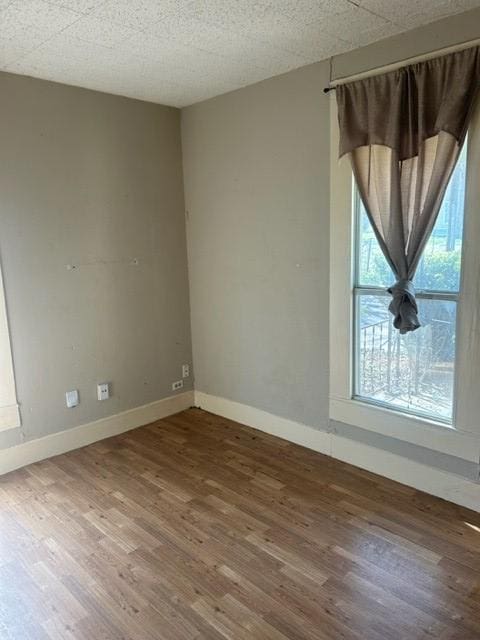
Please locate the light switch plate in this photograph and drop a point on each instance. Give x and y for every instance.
(71, 398)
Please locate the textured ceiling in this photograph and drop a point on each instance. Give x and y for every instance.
(178, 52)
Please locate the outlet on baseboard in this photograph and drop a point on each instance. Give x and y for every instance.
(185, 370)
(177, 385)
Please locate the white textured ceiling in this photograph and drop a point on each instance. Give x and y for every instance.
(178, 52)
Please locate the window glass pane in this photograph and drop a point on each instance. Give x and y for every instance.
(372, 268)
(413, 372)
(439, 268)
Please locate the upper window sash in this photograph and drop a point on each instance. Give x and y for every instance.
(440, 265)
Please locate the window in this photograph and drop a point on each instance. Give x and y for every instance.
(413, 373)
(450, 424)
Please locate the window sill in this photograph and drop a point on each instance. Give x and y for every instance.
(422, 432)
(9, 417)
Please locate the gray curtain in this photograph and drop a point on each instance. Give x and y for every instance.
(404, 131)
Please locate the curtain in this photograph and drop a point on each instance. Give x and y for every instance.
(404, 131)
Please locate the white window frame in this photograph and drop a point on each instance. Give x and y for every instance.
(462, 437)
(9, 411)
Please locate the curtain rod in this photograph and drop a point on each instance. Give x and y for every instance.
(401, 63)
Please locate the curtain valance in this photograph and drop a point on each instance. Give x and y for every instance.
(403, 108)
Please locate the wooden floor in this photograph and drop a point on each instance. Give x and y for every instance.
(197, 527)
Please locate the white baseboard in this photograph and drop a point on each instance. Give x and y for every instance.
(414, 474)
(63, 441)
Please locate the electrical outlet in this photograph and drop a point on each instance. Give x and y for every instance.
(103, 391)
(185, 370)
(71, 398)
(177, 385)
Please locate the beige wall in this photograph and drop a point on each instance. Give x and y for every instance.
(94, 181)
(256, 164)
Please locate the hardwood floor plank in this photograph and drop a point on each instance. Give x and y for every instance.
(198, 528)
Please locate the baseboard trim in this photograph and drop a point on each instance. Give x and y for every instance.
(442, 484)
(63, 441)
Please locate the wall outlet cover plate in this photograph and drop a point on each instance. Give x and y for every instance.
(72, 398)
(103, 391)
